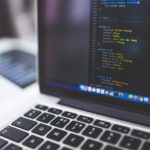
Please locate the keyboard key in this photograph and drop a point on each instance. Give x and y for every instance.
(45, 118)
(73, 140)
(121, 129)
(110, 137)
(102, 124)
(49, 146)
(146, 146)
(32, 114)
(69, 115)
(55, 111)
(32, 141)
(56, 134)
(13, 147)
(85, 119)
(66, 148)
(140, 134)
(92, 132)
(41, 107)
(91, 145)
(2, 143)
(23, 123)
(75, 126)
(13, 134)
(41, 129)
(130, 143)
(59, 122)
(111, 148)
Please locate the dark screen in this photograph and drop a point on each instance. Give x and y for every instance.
(68, 23)
(100, 44)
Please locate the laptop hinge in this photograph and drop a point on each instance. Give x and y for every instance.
(107, 111)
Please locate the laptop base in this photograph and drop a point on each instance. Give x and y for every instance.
(125, 115)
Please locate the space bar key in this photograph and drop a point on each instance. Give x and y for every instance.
(13, 134)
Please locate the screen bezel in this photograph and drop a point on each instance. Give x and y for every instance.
(87, 97)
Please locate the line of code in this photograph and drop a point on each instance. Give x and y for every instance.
(119, 47)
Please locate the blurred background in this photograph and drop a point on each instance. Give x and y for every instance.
(17, 19)
(18, 44)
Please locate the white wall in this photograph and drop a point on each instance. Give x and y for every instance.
(24, 20)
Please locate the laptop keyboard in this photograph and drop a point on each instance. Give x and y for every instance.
(44, 128)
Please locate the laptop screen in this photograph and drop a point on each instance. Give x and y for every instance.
(96, 48)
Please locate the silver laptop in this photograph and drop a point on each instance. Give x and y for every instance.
(93, 79)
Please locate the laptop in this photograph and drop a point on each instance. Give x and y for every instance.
(9, 60)
(93, 79)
